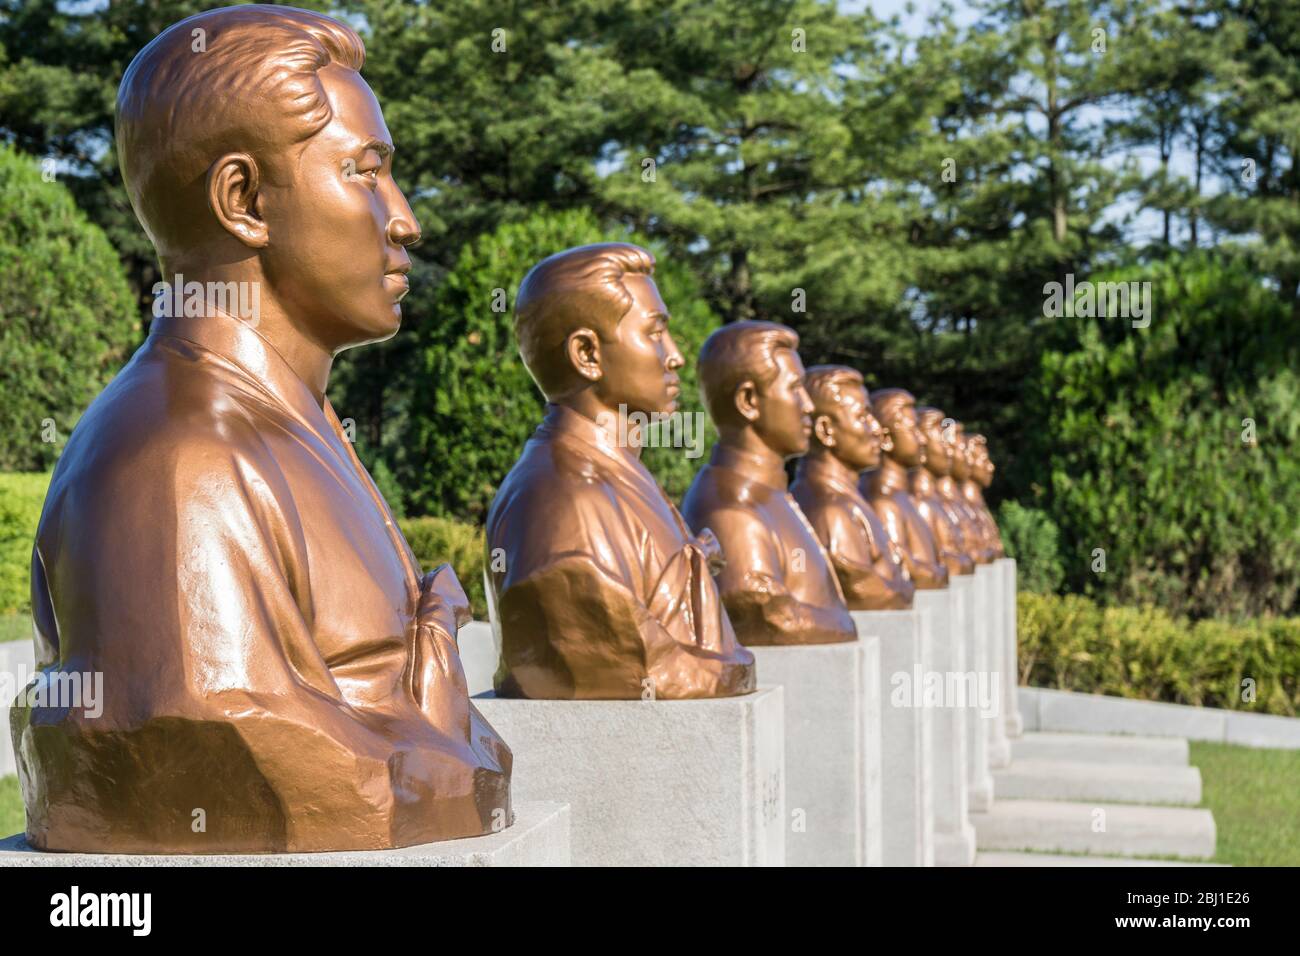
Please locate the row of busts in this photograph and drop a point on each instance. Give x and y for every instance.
(601, 589)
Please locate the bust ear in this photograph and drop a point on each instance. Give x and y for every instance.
(583, 350)
(886, 439)
(232, 186)
(746, 399)
(824, 431)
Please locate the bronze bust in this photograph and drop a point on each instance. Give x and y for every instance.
(600, 589)
(951, 490)
(778, 583)
(277, 673)
(938, 513)
(887, 488)
(847, 440)
(981, 476)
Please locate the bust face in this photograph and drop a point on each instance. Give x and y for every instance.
(785, 409)
(639, 367)
(338, 223)
(938, 451)
(858, 435)
(961, 456)
(910, 443)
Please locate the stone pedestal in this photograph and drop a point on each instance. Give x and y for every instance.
(539, 836)
(478, 655)
(17, 665)
(907, 791)
(655, 783)
(976, 683)
(989, 580)
(1014, 724)
(954, 836)
(832, 750)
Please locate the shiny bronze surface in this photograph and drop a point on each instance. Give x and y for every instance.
(887, 490)
(599, 589)
(939, 514)
(277, 673)
(846, 440)
(982, 469)
(778, 584)
(974, 532)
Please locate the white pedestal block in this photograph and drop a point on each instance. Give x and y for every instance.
(478, 655)
(832, 750)
(989, 580)
(1015, 725)
(979, 781)
(906, 734)
(17, 665)
(954, 836)
(538, 837)
(655, 783)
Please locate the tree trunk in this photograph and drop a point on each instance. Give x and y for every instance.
(742, 299)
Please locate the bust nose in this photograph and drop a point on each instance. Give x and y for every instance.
(403, 231)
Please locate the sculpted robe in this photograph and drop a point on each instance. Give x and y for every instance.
(277, 675)
(972, 531)
(600, 590)
(944, 523)
(867, 563)
(970, 489)
(777, 584)
(886, 491)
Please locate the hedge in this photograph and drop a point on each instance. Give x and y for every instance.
(436, 540)
(1072, 643)
(21, 496)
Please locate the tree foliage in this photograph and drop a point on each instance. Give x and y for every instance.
(67, 317)
(1175, 449)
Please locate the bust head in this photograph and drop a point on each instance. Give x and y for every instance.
(251, 148)
(961, 461)
(895, 409)
(752, 379)
(982, 467)
(590, 320)
(939, 440)
(843, 423)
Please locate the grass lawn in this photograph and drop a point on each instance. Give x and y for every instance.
(1255, 797)
(11, 807)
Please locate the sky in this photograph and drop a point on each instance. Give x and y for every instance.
(1145, 225)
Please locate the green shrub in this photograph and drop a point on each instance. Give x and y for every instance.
(1175, 448)
(13, 816)
(473, 404)
(1031, 537)
(437, 540)
(1073, 643)
(388, 487)
(68, 319)
(21, 499)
